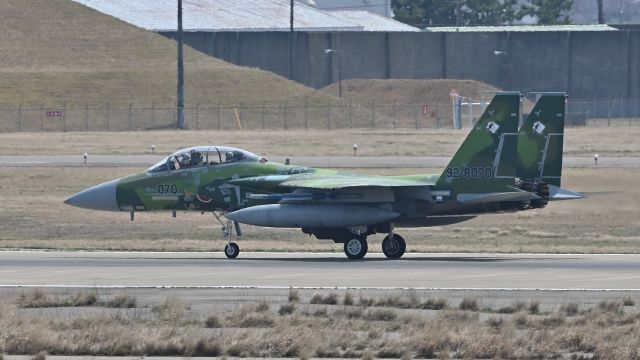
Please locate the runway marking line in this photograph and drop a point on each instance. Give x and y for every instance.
(241, 287)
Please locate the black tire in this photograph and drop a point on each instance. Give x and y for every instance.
(394, 248)
(356, 247)
(232, 250)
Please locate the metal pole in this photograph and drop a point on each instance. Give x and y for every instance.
(306, 114)
(20, 117)
(130, 117)
(64, 117)
(600, 12)
(339, 74)
(42, 117)
(180, 90)
(291, 42)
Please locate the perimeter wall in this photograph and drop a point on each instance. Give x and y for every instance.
(585, 64)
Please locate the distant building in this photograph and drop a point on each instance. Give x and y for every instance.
(247, 15)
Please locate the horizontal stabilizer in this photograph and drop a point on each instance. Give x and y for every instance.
(469, 199)
(558, 193)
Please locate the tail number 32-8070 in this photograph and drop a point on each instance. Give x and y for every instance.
(469, 172)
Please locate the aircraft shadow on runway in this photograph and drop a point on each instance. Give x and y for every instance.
(407, 259)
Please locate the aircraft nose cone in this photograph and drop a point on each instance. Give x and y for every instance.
(99, 197)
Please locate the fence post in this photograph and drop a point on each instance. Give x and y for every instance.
(64, 117)
(373, 115)
(41, 117)
(153, 113)
(306, 114)
(350, 114)
(19, 117)
(393, 113)
(109, 116)
(218, 114)
(130, 117)
(197, 116)
(86, 117)
(284, 115)
(457, 112)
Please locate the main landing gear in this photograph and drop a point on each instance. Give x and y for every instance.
(393, 246)
(357, 247)
(231, 250)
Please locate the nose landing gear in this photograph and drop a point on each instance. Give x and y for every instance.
(231, 250)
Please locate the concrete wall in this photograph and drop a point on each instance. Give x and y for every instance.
(584, 64)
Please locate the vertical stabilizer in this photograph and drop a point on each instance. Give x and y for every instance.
(540, 141)
(486, 160)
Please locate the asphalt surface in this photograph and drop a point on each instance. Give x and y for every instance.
(312, 161)
(282, 270)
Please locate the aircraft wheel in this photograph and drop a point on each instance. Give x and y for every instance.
(393, 248)
(356, 248)
(232, 250)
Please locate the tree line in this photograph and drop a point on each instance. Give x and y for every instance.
(425, 13)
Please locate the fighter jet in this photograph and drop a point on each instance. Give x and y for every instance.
(496, 169)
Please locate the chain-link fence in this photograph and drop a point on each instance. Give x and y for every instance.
(283, 116)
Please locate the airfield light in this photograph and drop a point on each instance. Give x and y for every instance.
(355, 149)
(153, 148)
(85, 156)
(595, 159)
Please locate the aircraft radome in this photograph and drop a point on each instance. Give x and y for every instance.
(498, 168)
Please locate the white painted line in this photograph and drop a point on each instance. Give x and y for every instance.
(243, 287)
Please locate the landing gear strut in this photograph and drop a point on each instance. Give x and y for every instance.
(231, 250)
(356, 247)
(393, 246)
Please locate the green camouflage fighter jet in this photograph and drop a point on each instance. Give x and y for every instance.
(482, 177)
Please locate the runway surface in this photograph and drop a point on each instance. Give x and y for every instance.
(312, 161)
(448, 271)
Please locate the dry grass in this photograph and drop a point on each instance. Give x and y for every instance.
(628, 301)
(252, 330)
(40, 356)
(327, 299)
(293, 295)
(122, 301)
(381, 142)
(469, 304)
(34, 216)
(38, 298)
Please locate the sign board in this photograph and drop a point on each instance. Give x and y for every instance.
(54, 113)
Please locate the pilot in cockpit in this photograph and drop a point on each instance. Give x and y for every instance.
(196, 158)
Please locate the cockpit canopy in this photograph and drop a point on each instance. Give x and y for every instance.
(200, 156)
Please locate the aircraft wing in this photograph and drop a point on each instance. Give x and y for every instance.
(343, 182)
